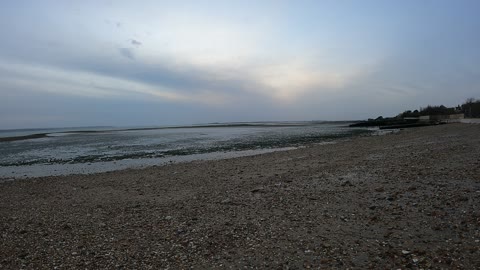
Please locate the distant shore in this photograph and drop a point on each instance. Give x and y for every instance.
(404, 200)
(113, 129)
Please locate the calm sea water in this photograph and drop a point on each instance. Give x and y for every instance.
(88, 150)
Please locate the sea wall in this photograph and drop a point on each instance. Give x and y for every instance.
(449, 118)
(470, 120)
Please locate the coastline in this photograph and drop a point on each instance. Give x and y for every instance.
(13, 173)
(406, 199)
(64, 152)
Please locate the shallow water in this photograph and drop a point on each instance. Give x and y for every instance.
(67, 151)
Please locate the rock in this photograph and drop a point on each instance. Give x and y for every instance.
(226, 201)
(258, 190)
(168, 217)
(22, 255)
(347, 183)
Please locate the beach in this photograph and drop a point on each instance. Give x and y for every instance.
(409, 199)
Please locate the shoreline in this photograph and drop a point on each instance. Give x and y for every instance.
(121, 161)
(406, 199)
(23, 172)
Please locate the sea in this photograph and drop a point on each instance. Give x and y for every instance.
(28, 153)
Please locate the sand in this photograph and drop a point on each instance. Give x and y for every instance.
(405, 200)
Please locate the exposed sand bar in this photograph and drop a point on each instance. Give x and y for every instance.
(408, 199)
(21, 138)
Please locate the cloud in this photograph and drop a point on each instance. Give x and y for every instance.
(135, 43)
(222, 60)
(294, 79)
(34, 78)
(127, 52)
(287, 81)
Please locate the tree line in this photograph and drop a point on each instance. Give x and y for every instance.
(470, 108)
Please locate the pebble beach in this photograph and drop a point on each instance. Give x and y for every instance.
(409, 199)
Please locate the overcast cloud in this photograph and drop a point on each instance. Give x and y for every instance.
(182, 62)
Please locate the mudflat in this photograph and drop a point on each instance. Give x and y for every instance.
(405, 200)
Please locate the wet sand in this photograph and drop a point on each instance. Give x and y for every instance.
(405, 200)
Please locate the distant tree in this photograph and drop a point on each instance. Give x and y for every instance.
(471, 108)
(436, 110)
(470, 100)
(409, 114)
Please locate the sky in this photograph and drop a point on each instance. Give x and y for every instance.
(137, 63)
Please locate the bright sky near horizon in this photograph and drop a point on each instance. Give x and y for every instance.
(124, 63)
